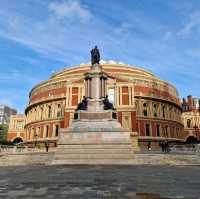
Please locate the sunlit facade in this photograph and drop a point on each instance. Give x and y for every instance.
(191, 119)
(145, 104)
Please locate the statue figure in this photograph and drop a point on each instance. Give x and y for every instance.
(95, 56)
(83, 105)
(108, 105)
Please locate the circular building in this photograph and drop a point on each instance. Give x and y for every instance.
(145, 104)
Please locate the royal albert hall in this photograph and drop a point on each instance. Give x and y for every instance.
(145, 104)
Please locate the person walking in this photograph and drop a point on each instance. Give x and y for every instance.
(47, 145)
(166, 146)
(162, 146)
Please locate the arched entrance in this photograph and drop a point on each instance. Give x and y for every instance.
(17, 140)
(191, 140)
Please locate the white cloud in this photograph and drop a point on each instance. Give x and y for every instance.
(167, 36)
(70, 9)
(193, 23)
(59, 35)
(123, 28)
(12, 98)
(12, 75)
(29, 60)
(18, 76)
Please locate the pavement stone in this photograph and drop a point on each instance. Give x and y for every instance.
(91, 182)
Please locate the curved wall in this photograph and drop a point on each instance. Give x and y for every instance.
(145, 104)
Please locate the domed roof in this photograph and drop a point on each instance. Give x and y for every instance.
(108, 66)
(115, 69)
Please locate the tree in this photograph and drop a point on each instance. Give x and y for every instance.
(3, 133)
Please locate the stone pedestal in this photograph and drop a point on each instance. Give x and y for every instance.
(95, 136)
(96, 148)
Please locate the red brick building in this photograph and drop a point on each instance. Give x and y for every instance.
(191, 119)
(144, 103)
(16, 131)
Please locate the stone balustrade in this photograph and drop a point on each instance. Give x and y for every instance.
(186, 149)
(5, 149)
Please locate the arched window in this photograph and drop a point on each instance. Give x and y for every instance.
(170, 112)
(155, 110)
(145, 109)
(47, 131)
(125, 95)
(41, 113)
(158, 130)
(56, 130)
(74, 100)
(163, 111)
(166, 130)
(188, 123)
(147, 130)
(59, 111)
(49, 111)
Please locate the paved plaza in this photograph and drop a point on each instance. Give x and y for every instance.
(137, 182)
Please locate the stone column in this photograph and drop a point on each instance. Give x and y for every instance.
(101, 83)
(95, 87)
(102, 87)
(120, 95)
(105, 87)
(70, 96)
(89, 87)
(130, 96)
(86, 88)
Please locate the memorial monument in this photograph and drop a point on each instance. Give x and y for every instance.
(95, 136)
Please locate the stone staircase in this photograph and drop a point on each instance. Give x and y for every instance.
(94, 148)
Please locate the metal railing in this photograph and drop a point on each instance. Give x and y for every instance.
(5, 149)
(186, 149)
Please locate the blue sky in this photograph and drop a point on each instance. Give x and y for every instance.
(39, 37)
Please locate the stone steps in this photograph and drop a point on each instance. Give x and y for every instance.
(93, 154)
(94, 151)
(65, 156)
(94, 146)
(74, 141)
(94, 161)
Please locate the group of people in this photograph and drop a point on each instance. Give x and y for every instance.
(164, 146)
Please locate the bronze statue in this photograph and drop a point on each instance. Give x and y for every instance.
(107, 105)
(95, 56)
(82, 105)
